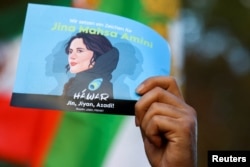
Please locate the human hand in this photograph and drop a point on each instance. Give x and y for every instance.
(168, 125)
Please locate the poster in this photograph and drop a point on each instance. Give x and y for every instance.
(87, 61)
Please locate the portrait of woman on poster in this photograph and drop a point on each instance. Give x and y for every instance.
(92, 59)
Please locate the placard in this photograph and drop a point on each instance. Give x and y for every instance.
(88, 61)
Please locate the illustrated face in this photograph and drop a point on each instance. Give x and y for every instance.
(79, 56)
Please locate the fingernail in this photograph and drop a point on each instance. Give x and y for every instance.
(140, 88)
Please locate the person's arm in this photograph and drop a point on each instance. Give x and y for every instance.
(168, 125)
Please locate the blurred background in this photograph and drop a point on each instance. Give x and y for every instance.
(217, 72)
(210, 43)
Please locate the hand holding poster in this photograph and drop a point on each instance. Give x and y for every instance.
(82, 60)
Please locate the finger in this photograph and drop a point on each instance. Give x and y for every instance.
(167, 83)
(159, 130)
(161, 109)
(157, 95)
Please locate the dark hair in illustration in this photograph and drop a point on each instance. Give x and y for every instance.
(99, 44)
(104, 61)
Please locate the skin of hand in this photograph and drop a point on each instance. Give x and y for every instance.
(168, 125)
